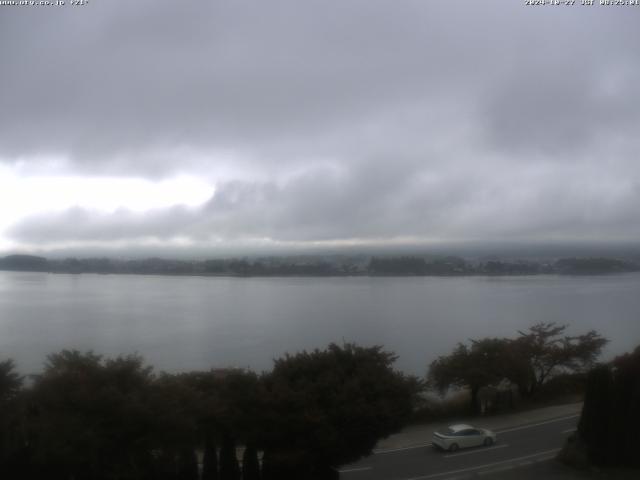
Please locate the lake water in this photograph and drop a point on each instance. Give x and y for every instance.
(184, 323)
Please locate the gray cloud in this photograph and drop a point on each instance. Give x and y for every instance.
(332, 120)
(129, 81)
(367, 203)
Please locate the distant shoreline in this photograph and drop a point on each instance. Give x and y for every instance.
(317, 267)
(337, 275)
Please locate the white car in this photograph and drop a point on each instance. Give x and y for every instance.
(459, 436)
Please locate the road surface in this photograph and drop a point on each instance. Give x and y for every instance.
(515, 447)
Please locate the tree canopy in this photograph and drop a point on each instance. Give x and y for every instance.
(474, 366)
(528, 361)
(329, 407)
(610, 420)
(544, 350)
(90, 417)
(10, 380)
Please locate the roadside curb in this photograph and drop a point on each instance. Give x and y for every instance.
(399, 449)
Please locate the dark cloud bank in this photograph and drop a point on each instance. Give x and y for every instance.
(332, 121)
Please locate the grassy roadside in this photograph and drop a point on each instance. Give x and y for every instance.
(436, 409)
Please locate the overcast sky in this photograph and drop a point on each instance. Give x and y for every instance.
(209, 124)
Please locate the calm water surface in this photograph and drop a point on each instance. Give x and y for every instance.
(183, 323)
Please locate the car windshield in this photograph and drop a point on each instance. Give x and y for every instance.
(448, 431)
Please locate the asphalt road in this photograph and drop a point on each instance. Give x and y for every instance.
(515, 447)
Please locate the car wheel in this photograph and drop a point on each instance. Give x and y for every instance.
(488, 442)
(454, 447)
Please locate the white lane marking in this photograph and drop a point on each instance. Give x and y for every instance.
(476, 451)
(569, 430)
(358, 469)
(544, 459)
(478, 467)
(496, 470)
(537, 424)
(391, 450)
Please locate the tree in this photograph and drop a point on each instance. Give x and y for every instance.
(594, 425)
(187, 464)
(172, 405)
(89, 417)
(543, 351)
(11, 438)
(229, 411)
(625, 410)
(10, 381)
(472, 367)
(210, 459)
(250, 464)
(528, 361)
(348, 396)
(610, 422)
(229, 468)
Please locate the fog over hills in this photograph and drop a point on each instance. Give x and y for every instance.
(468, 250)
